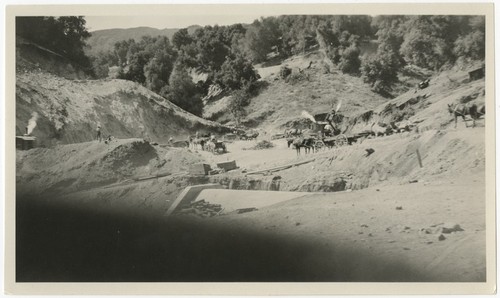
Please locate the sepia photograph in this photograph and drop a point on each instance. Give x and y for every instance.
(227, 144)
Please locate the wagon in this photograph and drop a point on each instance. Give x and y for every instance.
(338, 140)
(335, 141)
(220, 147)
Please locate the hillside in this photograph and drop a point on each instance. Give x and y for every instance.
(33, 57)
(104, 40)
(315, 86)
(70, 110)
(69, 106)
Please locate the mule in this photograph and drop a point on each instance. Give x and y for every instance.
(461, 110)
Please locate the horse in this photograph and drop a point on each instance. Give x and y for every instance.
(194, 142)
(461, 110)
(209, 146)
(306, 143)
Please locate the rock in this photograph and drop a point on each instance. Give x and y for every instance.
(399, 208)
(369, 151)
(245, 210)
(297, 223)
(364, 226)
(413, 181)
(441, 237)
(451, 228)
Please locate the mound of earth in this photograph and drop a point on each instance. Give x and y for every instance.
(70, 110)
(88, 165)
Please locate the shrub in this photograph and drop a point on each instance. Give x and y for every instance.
(183, 92)
(471, 46)
(285, 72)
(349, 61)
(381, 71)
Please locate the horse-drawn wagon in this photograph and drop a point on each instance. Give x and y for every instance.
(216, 147)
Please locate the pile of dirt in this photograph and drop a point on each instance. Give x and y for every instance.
(70, 110)
(77, 167)
(264, 144)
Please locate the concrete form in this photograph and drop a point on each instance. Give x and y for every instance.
(232, 200)
(188, 195)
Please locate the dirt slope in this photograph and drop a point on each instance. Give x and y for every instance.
(426, 108)
(81, 166)
(70, 110)
(315, 90)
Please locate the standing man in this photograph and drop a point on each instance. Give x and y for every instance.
(98, 130)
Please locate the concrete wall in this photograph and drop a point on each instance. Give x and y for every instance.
(189, 194)
(232, 200)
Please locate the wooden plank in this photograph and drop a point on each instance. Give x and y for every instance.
(281, 167)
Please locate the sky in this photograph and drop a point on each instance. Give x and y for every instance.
(169, 21)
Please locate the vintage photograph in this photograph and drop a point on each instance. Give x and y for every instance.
(251, 147)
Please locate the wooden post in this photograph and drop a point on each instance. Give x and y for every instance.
(419, 159)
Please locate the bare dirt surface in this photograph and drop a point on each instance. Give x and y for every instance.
(396, 225)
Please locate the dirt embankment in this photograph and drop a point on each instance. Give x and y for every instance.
(70, 110)
(82, 166)
(423, 108)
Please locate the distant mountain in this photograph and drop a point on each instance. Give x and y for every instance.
(104, 40)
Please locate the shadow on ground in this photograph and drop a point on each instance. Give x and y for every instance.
(62, 243)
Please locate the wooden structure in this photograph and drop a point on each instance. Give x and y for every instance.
(227, 165)
(476, 74)
(200, 169)
(25, 142)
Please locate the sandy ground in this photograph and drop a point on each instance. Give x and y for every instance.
(396, 225)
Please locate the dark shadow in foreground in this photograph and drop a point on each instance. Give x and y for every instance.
(56, 243)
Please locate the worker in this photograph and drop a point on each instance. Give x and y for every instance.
(330, 118)
(98, 130)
